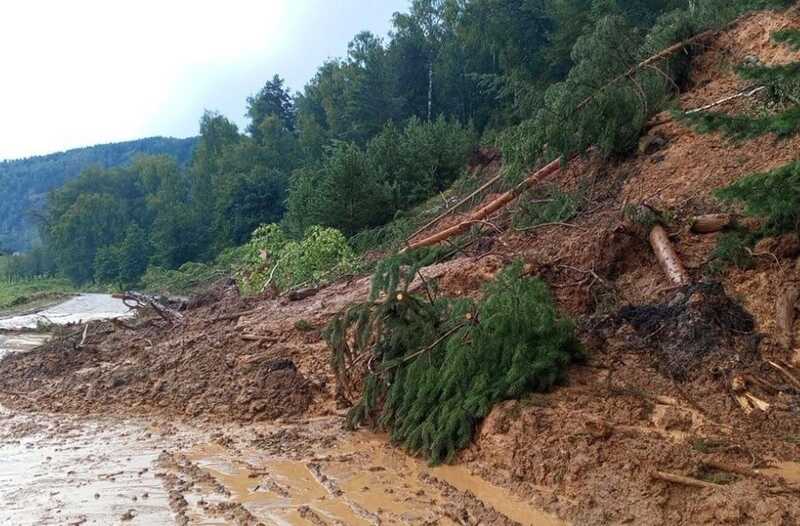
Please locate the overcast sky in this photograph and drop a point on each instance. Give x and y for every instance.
(83, 72)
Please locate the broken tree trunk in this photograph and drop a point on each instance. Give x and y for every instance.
(785, 315)
(730, 468)
(687, 481)
(667, 257)
(487, 210)
(709, 223)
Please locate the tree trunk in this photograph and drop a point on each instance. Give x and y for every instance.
(485, 211)
(667, 258)
(784, 315)
(430, 89)
(706, 224)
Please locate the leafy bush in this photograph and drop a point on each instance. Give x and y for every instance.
(742, 127)
(440, 365)
(270, 258)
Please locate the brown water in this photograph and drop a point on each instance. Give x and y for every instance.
(357, 481)
(65, 470)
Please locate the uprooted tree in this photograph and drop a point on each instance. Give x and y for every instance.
(428, 369)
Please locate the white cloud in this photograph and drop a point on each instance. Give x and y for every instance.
(87, 71)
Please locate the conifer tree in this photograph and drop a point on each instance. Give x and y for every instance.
(438, 366)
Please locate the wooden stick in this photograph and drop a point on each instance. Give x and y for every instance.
(85, 334)
(687, 481)
(667, 257)
(485, 211)
(730, 468)
(789, 376)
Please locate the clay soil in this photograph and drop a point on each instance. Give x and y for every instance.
(588, 451)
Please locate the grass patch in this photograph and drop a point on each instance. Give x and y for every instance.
(32, 293)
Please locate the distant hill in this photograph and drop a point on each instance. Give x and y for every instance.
(24, 183)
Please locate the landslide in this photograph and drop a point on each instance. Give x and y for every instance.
(655, 396)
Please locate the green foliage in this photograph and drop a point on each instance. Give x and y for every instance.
(773, 195)
(271, 259)
(376, 133)
(359, 188)
(441, 365)
(790, 37)
(783, 82)
(586, 109)
(548, 206)
(742, 127)
(731, 250)
(191, 277)
(24, 183)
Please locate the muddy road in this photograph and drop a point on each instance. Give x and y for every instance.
(70, 470)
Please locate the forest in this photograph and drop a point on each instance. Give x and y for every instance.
(26, 182)
(380, 130)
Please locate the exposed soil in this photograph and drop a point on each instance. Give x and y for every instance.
(657, 394)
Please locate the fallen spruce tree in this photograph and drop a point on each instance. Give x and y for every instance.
(428, 369)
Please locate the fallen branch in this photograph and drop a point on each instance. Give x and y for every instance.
(488, 209)
(730, 468)
(83, 338)
(686, 481)
(746, 93)
(136, 300)
(786, 374)
(667, 257)
(456, 206)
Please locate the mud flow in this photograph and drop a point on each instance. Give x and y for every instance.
(64, 470)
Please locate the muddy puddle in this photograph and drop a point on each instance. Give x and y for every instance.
(353, 479)
(58, 470)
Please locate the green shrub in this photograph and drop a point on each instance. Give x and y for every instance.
(783, 82)
(270, 258)
(440, 365)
